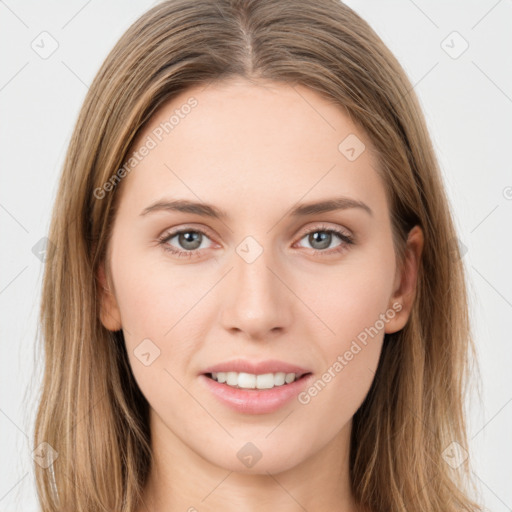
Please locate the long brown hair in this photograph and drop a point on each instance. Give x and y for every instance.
(91, 411)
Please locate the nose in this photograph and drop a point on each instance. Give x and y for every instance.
(257, 301)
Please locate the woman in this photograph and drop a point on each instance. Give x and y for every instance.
(255, 300)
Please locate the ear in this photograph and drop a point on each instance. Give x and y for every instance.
(109, 310)
(406, 281)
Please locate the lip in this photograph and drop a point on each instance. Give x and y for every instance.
(257, 368)
(256, 401)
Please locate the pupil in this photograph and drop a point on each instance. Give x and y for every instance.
(187, 240)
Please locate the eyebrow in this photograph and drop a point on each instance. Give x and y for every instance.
(208, 210)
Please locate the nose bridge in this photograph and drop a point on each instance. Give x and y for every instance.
(257, 300)
(254, 279)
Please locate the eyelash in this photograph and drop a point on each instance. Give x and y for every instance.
(346, 239)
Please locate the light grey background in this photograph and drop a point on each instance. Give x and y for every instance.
(468, 105)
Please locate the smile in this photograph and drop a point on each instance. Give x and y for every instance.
(252, 381)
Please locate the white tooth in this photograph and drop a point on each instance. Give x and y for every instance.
(251, 381)
(265, 381)
(290, 377)
(246, 380)
(232, 378)
(279, 378)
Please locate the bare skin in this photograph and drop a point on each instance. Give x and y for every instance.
(255, 151)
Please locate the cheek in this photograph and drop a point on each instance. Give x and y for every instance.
(355, 306)
(354, 294)
(153, 294)
(350, 360)
(165, 308)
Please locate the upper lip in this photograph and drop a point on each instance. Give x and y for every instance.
(257, 368)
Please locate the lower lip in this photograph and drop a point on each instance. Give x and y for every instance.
(256, 401)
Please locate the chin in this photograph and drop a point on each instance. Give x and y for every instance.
(259, 457)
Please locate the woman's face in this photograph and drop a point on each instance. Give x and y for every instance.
(258, 273)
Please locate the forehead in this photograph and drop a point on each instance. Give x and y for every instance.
(254, 144)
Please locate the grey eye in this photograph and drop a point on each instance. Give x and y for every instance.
(321, 239)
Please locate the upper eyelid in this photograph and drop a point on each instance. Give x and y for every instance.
(327, 228)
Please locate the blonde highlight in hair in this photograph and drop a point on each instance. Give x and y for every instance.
(91, 410)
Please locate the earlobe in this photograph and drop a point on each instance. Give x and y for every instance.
(406, 281)
(110, 315)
